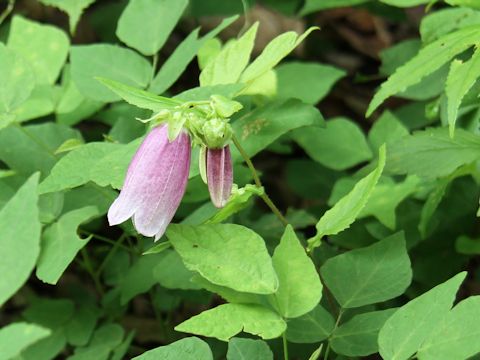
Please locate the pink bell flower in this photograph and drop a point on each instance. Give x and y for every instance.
(155, 183)
(219, 175)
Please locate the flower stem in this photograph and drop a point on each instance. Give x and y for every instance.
(258, 182)
(93, 274)
(112, 251)
(285, 346)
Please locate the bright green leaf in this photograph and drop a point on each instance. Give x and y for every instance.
(171, 273)
(406, 330)
(20, 238)
(313, 327)
(242, 349)
(386, 130)
(227, 320)
(74, 9)
(316, 5)
(369, 275)
(191, 348)
(17, 336)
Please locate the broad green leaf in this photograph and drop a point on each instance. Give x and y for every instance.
(264, 125)
(41, 102)
(145, 25)
(405, 3)
(369, 275)
(107, 61)
(457, 337)
(386, 130)
(138, 97)
(184, 53)
(273, 53)
(315, 5)
(81, 326)
(472, 3)
(104, 340)
(346, 210)
(461, 78)
(429, 59)
(45, 47)
(16, 78)
(466, 245)
(228, 65)
(208, 51)
(313, 327)
(20, 239)
(432, 153)
(406, 330)
(446, 20)
(227, 320)
(18, 336)
(171, 273)
(358, 336)
(340, 145)
(51, 313)
(300, 289)
(191, 348)
(74, 9)
(47, 348)
(204, 249)
(121, 350)
(309, 82)
(242, 349)
(60, 244)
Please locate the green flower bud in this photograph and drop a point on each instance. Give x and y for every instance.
(216, 133)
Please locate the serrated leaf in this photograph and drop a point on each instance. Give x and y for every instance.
(456, 337)
(191, 348)
(300, 289)
(346, 210)
(204, 249)
(146, 24)
(18, 336)
(242, 349)
(358, 336)
(45, 47)
(60, 244)
(227, 320)
(228, 65)
(406, 330)
(460, 79)
(429, 59)
(20, 243)
(369, 275)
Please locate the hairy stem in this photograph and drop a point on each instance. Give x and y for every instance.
(258, 182)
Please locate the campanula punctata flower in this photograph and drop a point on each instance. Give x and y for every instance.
(219, 175)
(155, 183)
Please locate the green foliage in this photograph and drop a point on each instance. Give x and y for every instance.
(239, 349)
(17, 336)
(191, 348)
(74, 9)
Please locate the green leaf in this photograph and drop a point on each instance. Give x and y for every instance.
(142, 99)
(315, 5)
(81, 326)
(171, 273)
(51, 313)
(18, 336)
(182, 56)
(107, 61)
(16, 78)
(227, 320)
(228, 65)
(432, 153)
(429, 59)
(461, 78)
(346, 210)
(358, 336)
(20, 240)
(386, 130)
(309, 82)
(191, 348)
(242, 349)
(60, 244)
(47, 348)
(405, 3)
(406, 330)
(145, 25)
(339, 146)
(43, 46)
(74, 9)
(104, 340)
(471, 3)
(456, 337)
(273, 53)
(446, 20)
(300, 289)
(466, 245)
(369, 275)
(204, 249)
(313, 327)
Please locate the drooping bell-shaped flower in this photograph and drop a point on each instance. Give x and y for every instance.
(155, 183)
(219, 175)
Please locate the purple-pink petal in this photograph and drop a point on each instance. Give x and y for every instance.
(155, 183)
(219, 175)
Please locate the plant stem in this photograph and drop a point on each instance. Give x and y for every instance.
(258, 182)
(285, 346)
(93, 274)
(112, 251)
(7, 11)
(339, 317)
(105, 239)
